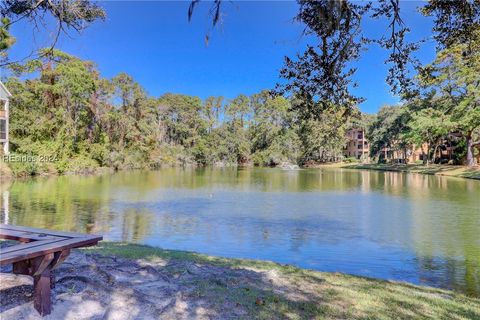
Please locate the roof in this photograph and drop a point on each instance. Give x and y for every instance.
(4, 93)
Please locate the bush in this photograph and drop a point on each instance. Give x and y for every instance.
(5, 171)
(351, 160)
(170, 156)
(266, 158)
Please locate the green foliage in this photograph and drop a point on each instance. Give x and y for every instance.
(67, 14)
(323, 139)
(65, 110)
(387, 128)
(451, 85)
(6, 40)
(445, 109)
(428, 126)
(351, 160)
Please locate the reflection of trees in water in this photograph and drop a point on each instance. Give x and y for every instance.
(445, 229)
(136, 224)
(461, 275)
(171, 224)
(5, 201)
(66, 203)
(264, 179)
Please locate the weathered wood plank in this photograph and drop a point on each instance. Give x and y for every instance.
(25, 236)
(19, 247)
(42, 292)
(39, 230)
(59, 257)
(39, 264)
(35, 251)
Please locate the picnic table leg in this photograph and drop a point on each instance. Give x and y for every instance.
(41, 268)
(58, 258)
(41, 287)
(52, 279)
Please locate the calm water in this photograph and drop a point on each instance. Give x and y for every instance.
(415, 228)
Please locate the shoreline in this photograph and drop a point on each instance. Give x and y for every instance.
(432, 169)
(126, 281)
(463, 172)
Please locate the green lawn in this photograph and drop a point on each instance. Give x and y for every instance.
(267, 290)
(433, 169)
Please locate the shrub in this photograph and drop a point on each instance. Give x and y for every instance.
(351, 160)
(5, 171)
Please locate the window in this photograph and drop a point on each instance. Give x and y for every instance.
(360, 135)
(3, 129)
(360, 146)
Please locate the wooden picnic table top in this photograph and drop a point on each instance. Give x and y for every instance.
(39, 242)
(40, 251)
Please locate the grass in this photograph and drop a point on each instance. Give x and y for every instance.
(298, 293)
(432, 169)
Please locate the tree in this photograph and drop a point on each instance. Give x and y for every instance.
(452, 81)
(387, 129)
(320, 76)
(212, 109)
(455, 22)
(430, 126)
(53, 113)
(238, 110)
(274, 138)
(6, 40)
(183, 119)
(68, 14)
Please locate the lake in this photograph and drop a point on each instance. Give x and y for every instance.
(408, 227)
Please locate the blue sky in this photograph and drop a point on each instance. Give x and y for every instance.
(154, 42)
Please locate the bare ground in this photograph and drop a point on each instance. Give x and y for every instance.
(93, 286)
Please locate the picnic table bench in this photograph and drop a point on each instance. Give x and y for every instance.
(39, 252)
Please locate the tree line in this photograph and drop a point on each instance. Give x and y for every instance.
(68, 109)
(62, 106)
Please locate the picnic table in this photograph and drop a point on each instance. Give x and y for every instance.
(39, 252)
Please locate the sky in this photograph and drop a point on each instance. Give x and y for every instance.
(154, 42)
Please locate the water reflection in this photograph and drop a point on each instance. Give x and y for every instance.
(417, 228)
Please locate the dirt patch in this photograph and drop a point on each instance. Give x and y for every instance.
(92, 286)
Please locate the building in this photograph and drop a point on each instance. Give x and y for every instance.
(357, 146)
(4, 97)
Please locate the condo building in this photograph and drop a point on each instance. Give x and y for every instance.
(4, 98)
(357, 146)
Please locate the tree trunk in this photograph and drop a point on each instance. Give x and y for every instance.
(428, 154)
(470, 159)
(434, 153)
